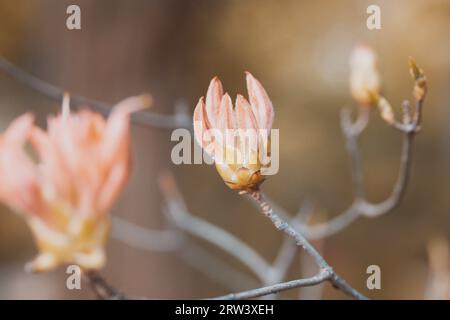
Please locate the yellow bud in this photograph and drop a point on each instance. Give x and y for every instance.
(386, 110)
(420, 81)
(240, 175)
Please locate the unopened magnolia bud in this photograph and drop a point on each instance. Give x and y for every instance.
(386, 110)
(364, 77)
(420, 81)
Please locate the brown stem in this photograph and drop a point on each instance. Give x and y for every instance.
(102, 288)
(326, 272)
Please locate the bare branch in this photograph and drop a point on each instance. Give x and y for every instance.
(255, 293)
(204, 230)
(216, 269)
(181, 119)
(288, 250)
(308, 267)
(361, 206)
(102, 288)
(175, 241)
(283, 261)
(196, 256)
(351, 132)
(144, 238)
(326, 272)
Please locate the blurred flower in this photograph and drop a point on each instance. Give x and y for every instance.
(83, 163)
(236, 138)
(364, 77)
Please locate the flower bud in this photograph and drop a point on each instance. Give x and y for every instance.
(364, 77)
(420, 81)
(235, 137)
(386, 110)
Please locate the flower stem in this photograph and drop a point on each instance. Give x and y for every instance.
(301, 241)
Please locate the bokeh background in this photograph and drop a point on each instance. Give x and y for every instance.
(299, 50)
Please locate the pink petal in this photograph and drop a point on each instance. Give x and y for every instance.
(115, 151)
(19, 187)
(201, 124)
(213, 99)
(19, 130)
(261, 105)
(246, 121)
(244, 114)
(133, 104)
(52, 168)
(226, 118)
(113, 185)
(116, 136)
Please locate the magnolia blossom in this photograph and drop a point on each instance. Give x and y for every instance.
(236, 137)
(364, 76)
(66, 189)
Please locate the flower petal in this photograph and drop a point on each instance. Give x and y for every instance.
(226, 118)
(116, 136)
(213, 100)
(261, 105)
(19, 185)
(19, 130)
(201, 124)
(248, 129)
(53, 171)
(244, 114)
(115, 151)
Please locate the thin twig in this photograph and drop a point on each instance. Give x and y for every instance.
(361, 206)
(102, 288)
(283, 261)
(171, 240)
(288, 250)
(199, 258)
(181, 118)
(326, 272)
(183, 220)
(307, 267)
(351, 132)
(233, 246)
(216, 269)
(144, 238)
(255, 293)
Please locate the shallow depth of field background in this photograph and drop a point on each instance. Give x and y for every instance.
(299, 51)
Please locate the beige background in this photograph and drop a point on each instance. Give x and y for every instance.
(299, 51)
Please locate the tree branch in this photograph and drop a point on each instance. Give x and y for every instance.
(144, 238)
(361, 206)
(181, 118)
(255, 293)
(102, 288)
(183, 220)
(326, 272)
(175, 241)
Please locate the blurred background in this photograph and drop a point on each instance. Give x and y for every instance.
(299, 50)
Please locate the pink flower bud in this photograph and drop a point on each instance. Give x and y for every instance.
(235, 136)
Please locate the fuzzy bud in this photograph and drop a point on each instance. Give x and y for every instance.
(364, 76)
(386, 110)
